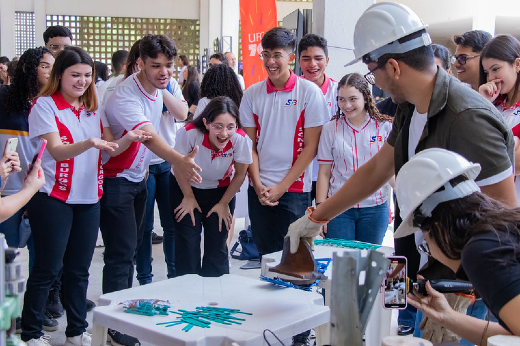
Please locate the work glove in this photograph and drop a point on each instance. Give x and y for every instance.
(435, 332)
(305, 228)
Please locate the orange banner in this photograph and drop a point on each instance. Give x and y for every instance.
(257, 17)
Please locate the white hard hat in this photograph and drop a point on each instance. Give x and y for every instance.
(384, 23)
(419, 179)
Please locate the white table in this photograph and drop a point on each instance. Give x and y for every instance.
(286, 312)
(378, 324)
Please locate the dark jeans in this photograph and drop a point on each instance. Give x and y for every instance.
(215, 261)
(64, 237)
(269, 225)
(157, 185)
(122, 215)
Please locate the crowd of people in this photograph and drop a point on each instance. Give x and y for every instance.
(118, 144)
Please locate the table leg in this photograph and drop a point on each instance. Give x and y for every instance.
(99, 335)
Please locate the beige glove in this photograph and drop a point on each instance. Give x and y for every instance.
(435, 332)
(305, 228)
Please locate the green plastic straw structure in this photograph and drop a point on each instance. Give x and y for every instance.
(349, 244)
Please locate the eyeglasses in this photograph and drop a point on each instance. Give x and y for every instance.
(461, 58)
(219, 127)
(276, 56)
(424, 249)
(57, 47)
(371, 79)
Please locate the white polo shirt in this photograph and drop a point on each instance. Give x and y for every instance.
(78, 180)
(130, 107)
(167, 127)
(217, 167)
(203, 102)
(347, 147)
(280, 117)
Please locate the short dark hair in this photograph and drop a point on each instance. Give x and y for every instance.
(4, 60)
(313, 40)
(476, 39)
(441, 52)
(184, 59)
(221, 57)
(119, 60)
(279, 38)
(420, 59)
(101, 71)
(152, 45)
(56, 31)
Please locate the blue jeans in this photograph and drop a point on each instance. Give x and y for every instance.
(362, 224)
(269, 225)
(10, 229)
(158, 185)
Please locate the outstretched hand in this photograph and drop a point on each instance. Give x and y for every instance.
(189, 168)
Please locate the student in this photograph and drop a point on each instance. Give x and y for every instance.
(56, 38)
(434, 110)
(136, 104)
(191, 89)
(442, 57)
(475, 236)
(224, 155)
(218, 58)
(102, 73)
(500, 84)
(4, 66)
(118, 70)
(232, 60)
(466, 58)
(65, 114)
(355, 134)
(183, 63)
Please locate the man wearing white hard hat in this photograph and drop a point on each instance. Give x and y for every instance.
(435, 110)
(475, 236)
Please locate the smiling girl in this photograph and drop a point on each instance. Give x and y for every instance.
(500, 84)
(224, 155)
(350, 139)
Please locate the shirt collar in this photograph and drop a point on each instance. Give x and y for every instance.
(501, 101)
(60, 102)
(325, 86)
(439, 97)
(289, 86)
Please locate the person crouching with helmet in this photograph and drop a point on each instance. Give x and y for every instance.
(474, 235)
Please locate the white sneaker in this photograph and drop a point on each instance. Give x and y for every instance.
(42, 341)
(84, 339)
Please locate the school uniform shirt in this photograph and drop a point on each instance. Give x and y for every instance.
(280, 117)
(167, 127)
(78, 180)
(130, 107)
(217, 166)
(203, 102)
(512, 119)
(347, 147)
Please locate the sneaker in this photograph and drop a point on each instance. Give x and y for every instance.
(84, 339)
(252, 264)
(119, 339)
(49, 323)
(90, 305)
(156, 239)
(54, 305)
(42, 341)
(301, 340)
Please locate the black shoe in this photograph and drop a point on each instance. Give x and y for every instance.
(156, 239)
(49, 323)
(405, 330)
(18, 325)
(119, 339)
(54, 305)
(90, 305)
(301, 340)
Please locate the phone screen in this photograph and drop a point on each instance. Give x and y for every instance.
(395, 285)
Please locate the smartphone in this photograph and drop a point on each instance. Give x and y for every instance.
(38, 154)
(396, 283)
(10, 145)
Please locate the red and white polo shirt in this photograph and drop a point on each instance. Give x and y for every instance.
(347, 147)
(329, 88)
(130, 107)
(78, 180)
(280, 117)
(217, 167)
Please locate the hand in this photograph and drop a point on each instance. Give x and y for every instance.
(192, 109)
(101, 144)
(434, 305)
(323, 231)
(517, 142)
(187, 206)
(491, 89)
(189, 168)
(35, 178)
(274, 192)
(262, 194)
(223, 213)
(138, 136)
(305, 229)
(10, 162)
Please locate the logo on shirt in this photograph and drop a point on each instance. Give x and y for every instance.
(290, 102)
(329, 104)
(221, 153)
(517, 112)
(89, 114)
(375, 139)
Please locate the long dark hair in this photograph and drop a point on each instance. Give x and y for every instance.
(504, 48)
(218, 105)
(454, 223)
(25, 87)
(193, 78)
(221, 80)
(360, 83)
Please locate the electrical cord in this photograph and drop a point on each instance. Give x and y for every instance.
(270, 331)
